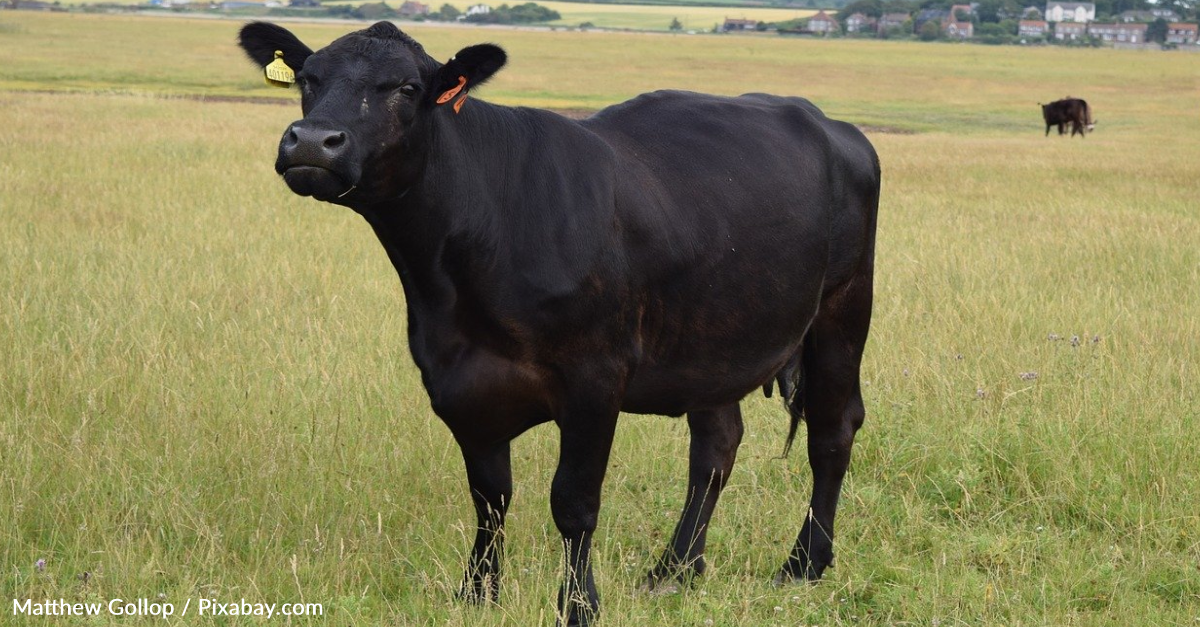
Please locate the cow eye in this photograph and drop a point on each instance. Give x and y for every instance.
(409, 90)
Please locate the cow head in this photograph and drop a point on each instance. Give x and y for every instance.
(369, 100)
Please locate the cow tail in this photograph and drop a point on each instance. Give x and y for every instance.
(791, 388)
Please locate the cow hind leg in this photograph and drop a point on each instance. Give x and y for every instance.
(715, 436)
(833, 413)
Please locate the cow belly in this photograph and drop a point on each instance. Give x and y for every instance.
(485, 398)
(691, 370)
(676, 391)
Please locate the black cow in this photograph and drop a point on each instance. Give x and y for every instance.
(1073, 111)
(667, 255)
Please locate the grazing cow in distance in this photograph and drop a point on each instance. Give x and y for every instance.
(1073, 111)
(667, 255)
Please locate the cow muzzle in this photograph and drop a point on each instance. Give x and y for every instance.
(315, 161)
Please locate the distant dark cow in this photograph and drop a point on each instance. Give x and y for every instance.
(1073, 111)
(667, 255)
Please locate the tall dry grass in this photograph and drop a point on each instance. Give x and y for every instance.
(205, 391)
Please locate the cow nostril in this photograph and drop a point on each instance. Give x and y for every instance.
(291, 139)
(334, 140)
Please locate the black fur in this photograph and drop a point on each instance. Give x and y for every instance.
(668, 255)
(477, 63)
(260, 40)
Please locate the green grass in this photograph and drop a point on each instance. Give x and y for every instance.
(697, 16)
(653, 17)
(205, 389)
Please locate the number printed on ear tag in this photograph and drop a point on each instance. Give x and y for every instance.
(277, 73)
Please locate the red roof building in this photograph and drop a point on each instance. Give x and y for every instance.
(1178, 33)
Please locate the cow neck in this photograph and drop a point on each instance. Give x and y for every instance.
(456, 202)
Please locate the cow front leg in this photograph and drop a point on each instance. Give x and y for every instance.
(586, 440)
(715, 436)
(489, 475)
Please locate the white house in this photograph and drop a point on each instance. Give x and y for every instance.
(479, 9)
(1070, 11)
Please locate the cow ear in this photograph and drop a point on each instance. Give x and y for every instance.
(260, 40)
(476, 64)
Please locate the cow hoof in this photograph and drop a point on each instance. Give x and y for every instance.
(783, 578)
(581, 618)
(479, 592)
(659, 587)
(796, 574)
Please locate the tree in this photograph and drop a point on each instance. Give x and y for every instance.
(993, 34)
(448, 12)
(374, 11)
(518, 14)
(870, 8)
(930, 31)
(1157, 31)
(675, 25)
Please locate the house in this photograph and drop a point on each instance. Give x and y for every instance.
(1032, 28)
(860, 23)
(1166, 14)
(1119, 32)
(478, 9)
(1178, 33)
(959, 30)
(888, 21)
(1070, 11)
(412, 8)
(732, 24)
(1070, 31)
(822, 23)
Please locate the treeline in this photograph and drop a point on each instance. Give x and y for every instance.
(527, 13)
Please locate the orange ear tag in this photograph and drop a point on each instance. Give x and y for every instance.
(451, 93)
(459, 103)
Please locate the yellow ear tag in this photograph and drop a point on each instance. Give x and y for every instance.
(277, 73)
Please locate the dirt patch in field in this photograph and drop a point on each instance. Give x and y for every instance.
(892, 130)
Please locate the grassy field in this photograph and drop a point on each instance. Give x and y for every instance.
(655, 17)
(644, 17)
(205, 390)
